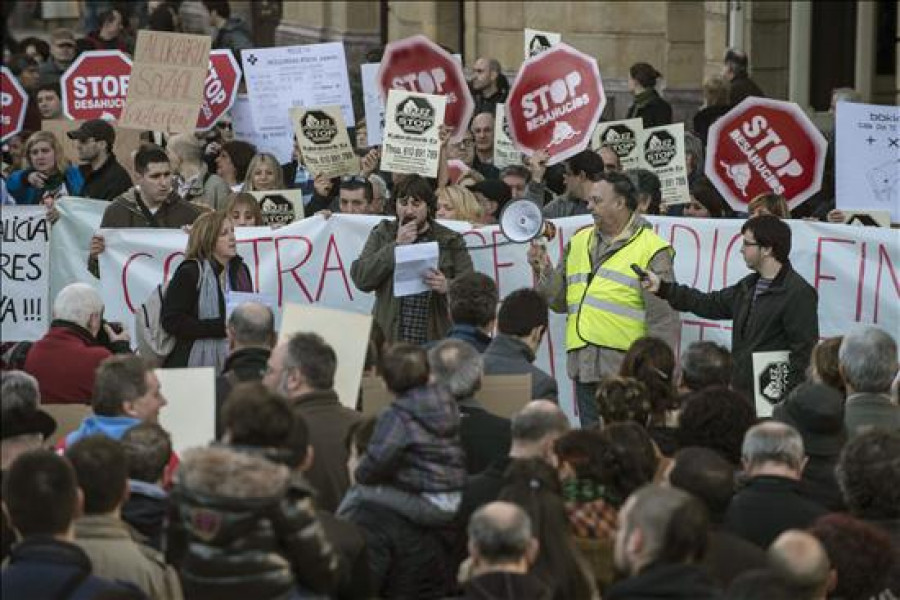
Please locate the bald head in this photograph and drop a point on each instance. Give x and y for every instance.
(251, 325)
(535, 428)
(802, 562)
(500, 534)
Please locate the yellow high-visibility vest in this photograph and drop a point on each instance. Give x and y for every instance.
(606, 305)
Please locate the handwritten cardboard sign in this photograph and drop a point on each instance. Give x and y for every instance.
(24, 313)
(166, 88)
(323, 140)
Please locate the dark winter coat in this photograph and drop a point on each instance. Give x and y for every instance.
(106, 183)
(251, 528)
(670, 581)
(784, 317)
(180, 306)
(743, 87)
(704, 119)
(650, 107)
(502, 585)
(246, 364)
(508, 355)
(145, 510)
(485, 436)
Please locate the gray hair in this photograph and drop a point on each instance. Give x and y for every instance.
(19, 390)
(456, 366)
(693, 146)
(868, 359)
(252, 324)
(501, 532)
(537, 420)
(77, 303)
(773, 442)
(378, 181)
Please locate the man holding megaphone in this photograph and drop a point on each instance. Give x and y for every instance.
(596, 286)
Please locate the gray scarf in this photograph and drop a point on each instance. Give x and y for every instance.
(208, 352)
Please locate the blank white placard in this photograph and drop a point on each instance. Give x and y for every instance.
(190, 415)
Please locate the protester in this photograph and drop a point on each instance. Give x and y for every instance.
(715, 105)
(151, 203)
(710, 478)
(774, 308)
(489, 86)
(27, 71)
(662, 537)
(503, 549)
(651, 361)
(463, 150)
(769, 204)
(735, 67)
(42, 499)
(233, 162)
(25, 426)
(492, 195)
(517, 177)
(824, 364)
(381, 195)
(582, 171)
(249, 520)
(704, 364)
(457, 367)
(521, 325)
(102, 472)
(356, 196)
(193, 181)
(868, 364)
(110, 35)
(458, 203)
(623, 399)
(301, 368)
(482, 128)
(803, 564)
(263, 174)
(694, 157)
(611, 160)
(649, 462)
(49, 101)
(64, 360)
(472, 300)
(716, 418)
(422, 317)
(648, 105)
(606, 314)
(760, 584)
(706, 202)
(244, 210)
(148, 448)
(104, 177)
(816, 411)
(232, 32)
(63, 51)
(47, 175)
(250, 331)
(649, 191)
(771, 503)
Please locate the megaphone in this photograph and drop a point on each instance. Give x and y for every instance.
(522, 221)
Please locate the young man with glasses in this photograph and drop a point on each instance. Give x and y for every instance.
(423, 317)
(773, 308)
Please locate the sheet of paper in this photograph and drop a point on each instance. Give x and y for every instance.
(286, 76)
(411, 263)
(505, 151)
(770, 378)
(662, 151)
(324, 142)
(372, 103)
(411, 141)
(190, 415)
(346, 332)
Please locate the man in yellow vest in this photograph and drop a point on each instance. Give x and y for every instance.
(596, 287)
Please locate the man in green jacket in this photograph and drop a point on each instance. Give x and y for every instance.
(422, 317)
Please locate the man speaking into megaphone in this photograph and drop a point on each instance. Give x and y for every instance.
(596, 286)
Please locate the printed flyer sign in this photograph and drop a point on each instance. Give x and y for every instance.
(538, 41)
(411, 141)
(323, 140)
(623, 137)
(372, 103)
(868, 158)
(280, 207)
(24, 312)
(771, 373)
(505, 151)
(662, 151)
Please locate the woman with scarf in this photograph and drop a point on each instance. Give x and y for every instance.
(47, 174)
(193, 309)
(648, 104)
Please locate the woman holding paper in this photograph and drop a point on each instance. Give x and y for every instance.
(193, 309)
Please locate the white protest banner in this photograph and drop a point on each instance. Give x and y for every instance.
(411, 141)
(537, 41)
(324, 142)
(165, 91)
(280, 207)
(24, 309)
(623, 137)
(372, 103)
(868, 158)
(662, 151)
(856, 270)
(70, 244)
(350, 341)
(190, 413)
(505, 152)
(285, 76)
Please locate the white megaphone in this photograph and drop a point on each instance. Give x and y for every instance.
(522, 221)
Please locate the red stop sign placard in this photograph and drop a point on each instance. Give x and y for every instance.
(764, 146)
(417, 64)
(220, 88)
(95, 85)
(555, 103)
(13, 103)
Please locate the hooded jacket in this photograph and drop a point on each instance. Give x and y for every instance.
(416, 444)
(250, 527)
(112, 427)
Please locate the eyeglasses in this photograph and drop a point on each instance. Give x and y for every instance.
(354, 179)
(747, 244)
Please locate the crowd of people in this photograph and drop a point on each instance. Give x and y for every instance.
(667, 483)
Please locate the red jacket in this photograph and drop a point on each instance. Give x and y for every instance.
(64, 362)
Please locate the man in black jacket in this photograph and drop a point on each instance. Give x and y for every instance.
(734, 71)
(104, 177)
(774, 308)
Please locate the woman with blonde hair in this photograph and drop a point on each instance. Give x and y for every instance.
(263, 174)
(244, 210)
(769, 204)
(457, 203)
(47, 174)
(193, 309)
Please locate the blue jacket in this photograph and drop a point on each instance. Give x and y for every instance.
(24, 193)
(111, 427)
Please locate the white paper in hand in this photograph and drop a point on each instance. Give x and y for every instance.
(411, 263)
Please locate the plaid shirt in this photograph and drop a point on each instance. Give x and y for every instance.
(414, 318)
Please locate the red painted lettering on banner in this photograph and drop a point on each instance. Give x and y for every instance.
(293, 269)
(167, 265)
(497, 264)
(255, 242)
(332, 246)
(125, 267)
(819, 275)
(884, 258)
(712, 259)
(860, 280)
(477, 234)
(727, 255)
(696, 236)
